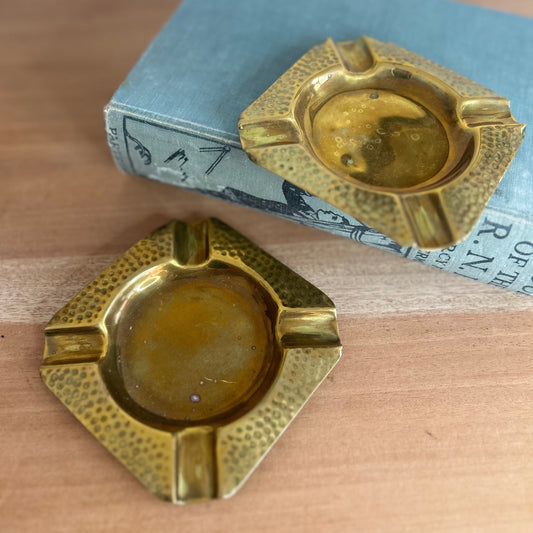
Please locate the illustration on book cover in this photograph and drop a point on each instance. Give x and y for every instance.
(190, 160)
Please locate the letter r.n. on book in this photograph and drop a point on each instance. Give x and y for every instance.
(175, 117)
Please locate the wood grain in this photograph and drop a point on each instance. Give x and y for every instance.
(425, 425)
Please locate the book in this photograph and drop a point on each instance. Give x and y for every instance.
(174, 119)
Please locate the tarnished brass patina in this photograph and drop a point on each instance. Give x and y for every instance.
(401, 144)
(189, 356)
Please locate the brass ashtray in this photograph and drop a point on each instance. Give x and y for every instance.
(400, 143)
(189, 356)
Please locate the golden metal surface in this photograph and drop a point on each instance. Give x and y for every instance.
(398, 142)
(189, 356)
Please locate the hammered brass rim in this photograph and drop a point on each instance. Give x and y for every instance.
(191, 413)
(402, 144)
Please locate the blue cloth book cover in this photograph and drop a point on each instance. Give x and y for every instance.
(174, 119)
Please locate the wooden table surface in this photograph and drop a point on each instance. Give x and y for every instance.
(425, 425)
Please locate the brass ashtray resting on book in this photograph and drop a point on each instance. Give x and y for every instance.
(401, 144)
(189, 356)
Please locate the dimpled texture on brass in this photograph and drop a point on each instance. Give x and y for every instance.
(189, 356)
(402, 144)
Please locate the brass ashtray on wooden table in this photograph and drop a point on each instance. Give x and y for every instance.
(402, 144)
(189, 356)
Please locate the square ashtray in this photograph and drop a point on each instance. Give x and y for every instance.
(189, 356)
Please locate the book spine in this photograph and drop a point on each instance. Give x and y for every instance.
(499, 251)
